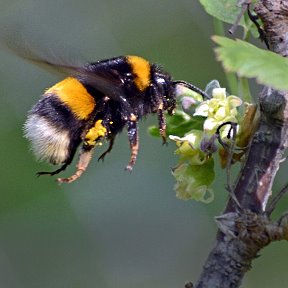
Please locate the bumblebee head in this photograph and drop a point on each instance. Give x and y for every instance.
(165, 87)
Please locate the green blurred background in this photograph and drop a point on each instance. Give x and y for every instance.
(111, 228)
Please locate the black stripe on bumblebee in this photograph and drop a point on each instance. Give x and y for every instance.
(96, 103)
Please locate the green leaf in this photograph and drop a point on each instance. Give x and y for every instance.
(178, 124)
(182, 128)
(224, 10)
(252, 62)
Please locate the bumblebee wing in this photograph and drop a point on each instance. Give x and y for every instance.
(99, 80)
(104, 82)
(46, 59)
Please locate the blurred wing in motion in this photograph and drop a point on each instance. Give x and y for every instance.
(47, 59)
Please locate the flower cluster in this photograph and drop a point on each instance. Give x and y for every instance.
(220, 109)
(195, 172)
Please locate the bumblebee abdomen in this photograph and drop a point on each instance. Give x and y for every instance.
(49, 142)
(55, 123)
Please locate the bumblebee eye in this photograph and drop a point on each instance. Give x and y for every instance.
(161, 81)
(129, 77)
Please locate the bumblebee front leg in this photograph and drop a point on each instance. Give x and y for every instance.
(133, 140)
(162, 122)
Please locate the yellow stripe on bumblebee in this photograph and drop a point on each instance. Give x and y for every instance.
(73, 94)
(141, 70)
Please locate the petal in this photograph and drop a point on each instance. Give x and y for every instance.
(234, 101)
(221, 113)
(202, 109)
(219, 93)
(210, 125)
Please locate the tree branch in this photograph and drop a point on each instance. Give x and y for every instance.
(243, 233)
(241, 236)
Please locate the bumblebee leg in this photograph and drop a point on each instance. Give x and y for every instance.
(133, 140)
(111, 143)
(95, 133)
(62, 168)
(162, 122)
(83, 162)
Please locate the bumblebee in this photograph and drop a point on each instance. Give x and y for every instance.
(94, 104)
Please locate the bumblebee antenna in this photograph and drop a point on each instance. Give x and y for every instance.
(193, 88)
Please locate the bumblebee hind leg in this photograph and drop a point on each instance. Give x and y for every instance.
(85, 157)
(92, 136)
(62, 168)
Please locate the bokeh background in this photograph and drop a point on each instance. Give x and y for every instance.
(111, 228)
